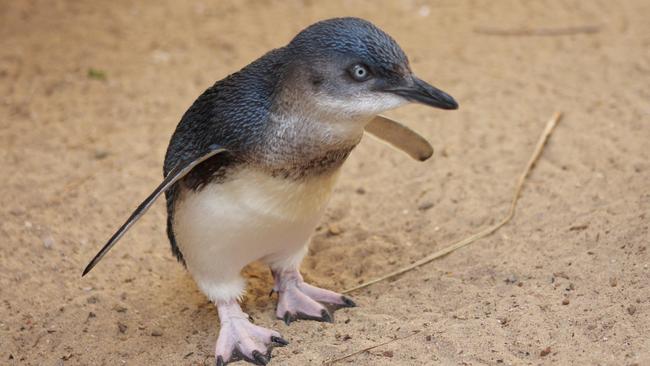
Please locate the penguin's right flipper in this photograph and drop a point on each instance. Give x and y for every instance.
(174, 175)
(400, 137)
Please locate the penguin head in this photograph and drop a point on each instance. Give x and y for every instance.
(350, 67)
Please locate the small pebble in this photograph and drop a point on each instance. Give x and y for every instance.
(565, 302)
(511, 279)
(578, 227)
(156, 333)
(48, 242)
(561, 275)
(631, 309)
(387, 354)
(333, 230)
(122, 327)
(425, 206)
(613, 282)
(120, 309)
(545, 351)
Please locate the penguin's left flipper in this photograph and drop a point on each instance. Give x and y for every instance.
(400, 137)
(174, 175)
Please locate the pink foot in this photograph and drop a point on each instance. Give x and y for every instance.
(239, 339)
(298, 300)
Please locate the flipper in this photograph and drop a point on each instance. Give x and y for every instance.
(174, 175)
(400, 137)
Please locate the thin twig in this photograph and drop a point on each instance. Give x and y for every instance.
(527, 32)
(489, 230)
(331, 362)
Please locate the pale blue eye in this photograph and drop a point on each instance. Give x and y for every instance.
(359, 72)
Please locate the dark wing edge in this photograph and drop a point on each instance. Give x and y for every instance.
(176, 174)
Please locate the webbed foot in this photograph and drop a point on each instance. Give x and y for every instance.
(239, 339)
(299, 300)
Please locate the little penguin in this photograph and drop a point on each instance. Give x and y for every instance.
(252, 164)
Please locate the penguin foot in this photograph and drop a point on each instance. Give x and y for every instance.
(239, 339)
(299, 300)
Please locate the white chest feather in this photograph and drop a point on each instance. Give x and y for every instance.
(251, 216)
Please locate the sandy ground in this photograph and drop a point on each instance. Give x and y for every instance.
(566, 282)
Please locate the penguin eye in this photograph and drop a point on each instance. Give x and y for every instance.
(359, 72)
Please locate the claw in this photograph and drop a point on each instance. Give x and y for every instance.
(220, 361)
(326, 316)
(259, 358)
(280, 341)
(287, 318)
(348, 302)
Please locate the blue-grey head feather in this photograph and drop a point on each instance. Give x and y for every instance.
(352, 37)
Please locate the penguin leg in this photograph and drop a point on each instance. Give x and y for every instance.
(239, 339)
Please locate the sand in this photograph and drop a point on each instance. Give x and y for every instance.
(91, 92)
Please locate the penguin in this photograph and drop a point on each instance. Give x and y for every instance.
(253, 162)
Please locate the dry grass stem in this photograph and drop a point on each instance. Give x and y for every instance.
(331, 362)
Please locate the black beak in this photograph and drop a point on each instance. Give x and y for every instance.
(421, 92)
